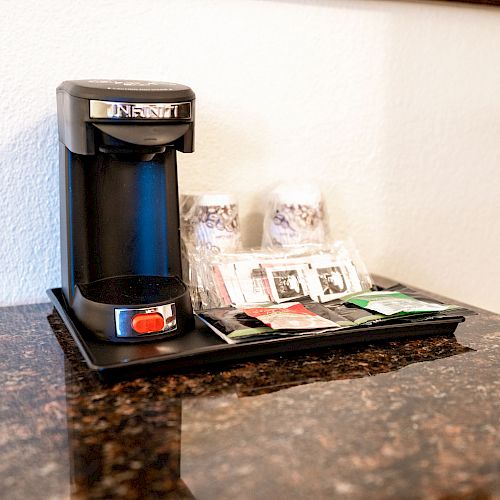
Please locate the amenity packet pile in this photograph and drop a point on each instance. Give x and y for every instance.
(397, 304)
(260, 277)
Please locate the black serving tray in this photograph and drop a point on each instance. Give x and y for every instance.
(201, 346)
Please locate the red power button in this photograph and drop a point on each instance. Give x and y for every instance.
(148, 322)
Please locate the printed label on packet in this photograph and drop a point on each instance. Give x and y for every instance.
(292, 316)
(389, 303)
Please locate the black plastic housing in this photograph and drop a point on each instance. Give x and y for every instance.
(119, 198)
(77, 129)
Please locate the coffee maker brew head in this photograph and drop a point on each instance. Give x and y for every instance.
(120, 246)
(95, 113)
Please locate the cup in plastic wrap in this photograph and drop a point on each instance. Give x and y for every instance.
(294, 216)
(210, 220)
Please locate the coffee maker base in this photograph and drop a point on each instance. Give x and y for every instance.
(133, 308)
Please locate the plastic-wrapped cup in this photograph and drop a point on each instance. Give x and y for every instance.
(213, 221)
(295, 216)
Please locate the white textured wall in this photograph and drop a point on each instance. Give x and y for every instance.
(393, 107)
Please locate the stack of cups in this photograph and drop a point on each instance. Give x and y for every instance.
(211, 221)
(294, 216)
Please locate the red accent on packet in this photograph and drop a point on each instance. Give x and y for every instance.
(292, 317)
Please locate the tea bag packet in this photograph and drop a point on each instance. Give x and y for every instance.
(228, 283)
(391, 303)
(287, 279)
(331, 276)
(290, 316)
(294, 216)
(232, 324)
(252, 281)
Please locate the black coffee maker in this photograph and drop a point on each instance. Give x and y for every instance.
(120, 248)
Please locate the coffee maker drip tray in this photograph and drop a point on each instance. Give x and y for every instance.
(133, 290)
(133, 308)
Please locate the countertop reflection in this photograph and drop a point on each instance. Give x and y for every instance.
(411, 418)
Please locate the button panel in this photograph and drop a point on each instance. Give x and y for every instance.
(146, 321)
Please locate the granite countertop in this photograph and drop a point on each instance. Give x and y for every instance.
(415, 418)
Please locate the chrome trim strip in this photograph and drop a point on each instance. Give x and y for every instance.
(111, 110)
(123, 320)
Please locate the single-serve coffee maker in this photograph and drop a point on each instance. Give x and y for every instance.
(120, 248)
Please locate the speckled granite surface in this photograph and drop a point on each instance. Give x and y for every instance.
(407, 419)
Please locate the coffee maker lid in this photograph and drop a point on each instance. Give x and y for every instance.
(132, 90)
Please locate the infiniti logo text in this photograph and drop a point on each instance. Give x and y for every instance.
(143, 111)
(148, 111)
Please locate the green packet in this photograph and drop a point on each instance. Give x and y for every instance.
(391, 302)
